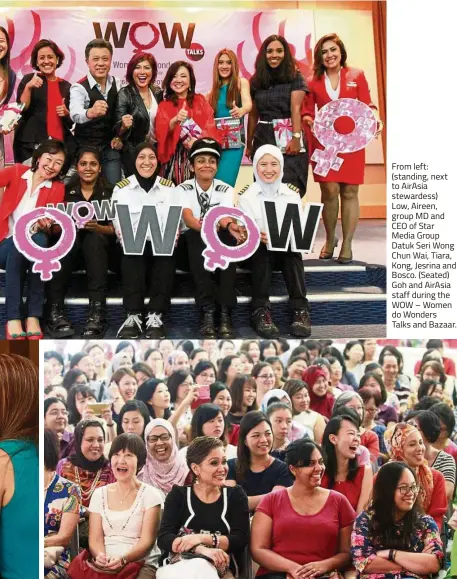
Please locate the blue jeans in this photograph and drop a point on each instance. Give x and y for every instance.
(17, 267)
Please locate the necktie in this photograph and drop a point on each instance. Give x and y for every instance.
(204, 202)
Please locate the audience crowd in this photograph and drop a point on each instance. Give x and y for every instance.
(283, 459)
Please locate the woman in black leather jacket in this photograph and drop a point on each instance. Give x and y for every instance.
(136, 107)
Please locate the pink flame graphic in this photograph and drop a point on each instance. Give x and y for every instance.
(304, 64)
(22, 61)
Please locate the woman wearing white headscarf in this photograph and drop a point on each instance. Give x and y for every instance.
(268, 165)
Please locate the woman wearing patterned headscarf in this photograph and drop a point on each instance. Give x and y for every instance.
(405, 444)
(164, 466)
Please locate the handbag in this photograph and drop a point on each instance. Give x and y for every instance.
(83, 568)
(176, 557)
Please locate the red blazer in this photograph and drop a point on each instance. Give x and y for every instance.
(353, 84)
(201, 112)
(15, 187)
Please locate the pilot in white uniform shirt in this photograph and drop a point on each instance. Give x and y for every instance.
(163, 195)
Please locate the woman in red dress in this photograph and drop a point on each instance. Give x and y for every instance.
(332, 80)
(180, 107)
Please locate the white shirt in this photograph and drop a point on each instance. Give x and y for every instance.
(334, 94)
(28, 201)
(122, 529)
(79, 98)
(129, 192)
(250, 201)
(219, 194)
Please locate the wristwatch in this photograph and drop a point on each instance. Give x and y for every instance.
(296, 135)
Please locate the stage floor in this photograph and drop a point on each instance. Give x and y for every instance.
(369, 242)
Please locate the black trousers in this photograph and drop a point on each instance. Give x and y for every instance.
(135, 272)
(94, 251)
(210, 288)
(290, 263)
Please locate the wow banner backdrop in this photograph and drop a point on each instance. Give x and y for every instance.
(191, 34)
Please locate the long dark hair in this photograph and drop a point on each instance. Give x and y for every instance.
(248, 422)
(146, 391)
(331, 461)
(264, 75)
(383, 527)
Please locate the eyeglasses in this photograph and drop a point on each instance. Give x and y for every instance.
(163, 438)
(266, 376)
(58, 412)
(204, 375)
(406, 489)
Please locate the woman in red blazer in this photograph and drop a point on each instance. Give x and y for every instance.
(180, 105)
(332, 80)
(25, 189)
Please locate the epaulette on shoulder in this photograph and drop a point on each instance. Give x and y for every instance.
(123, 183)
(166, 182)
(223, 188)
(187, 186)
(293, 187)
(245, 188)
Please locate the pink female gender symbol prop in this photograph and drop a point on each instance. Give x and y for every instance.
(80, 220)
(334, 142)
(46, 259)
(217, 253)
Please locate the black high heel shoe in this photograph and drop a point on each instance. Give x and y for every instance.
(345, 260)
(327, 255)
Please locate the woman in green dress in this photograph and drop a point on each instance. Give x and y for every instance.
(230, 100)
(19, 478)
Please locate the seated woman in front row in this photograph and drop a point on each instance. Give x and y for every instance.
(206, 517)
(268, 166)
(124, 518)
(399, 541)
(146, 188)
(302, 532)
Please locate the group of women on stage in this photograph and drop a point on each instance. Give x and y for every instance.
(104, 125)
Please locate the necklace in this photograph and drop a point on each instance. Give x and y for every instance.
(132, 509)
(86, 495)
(119, 494)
